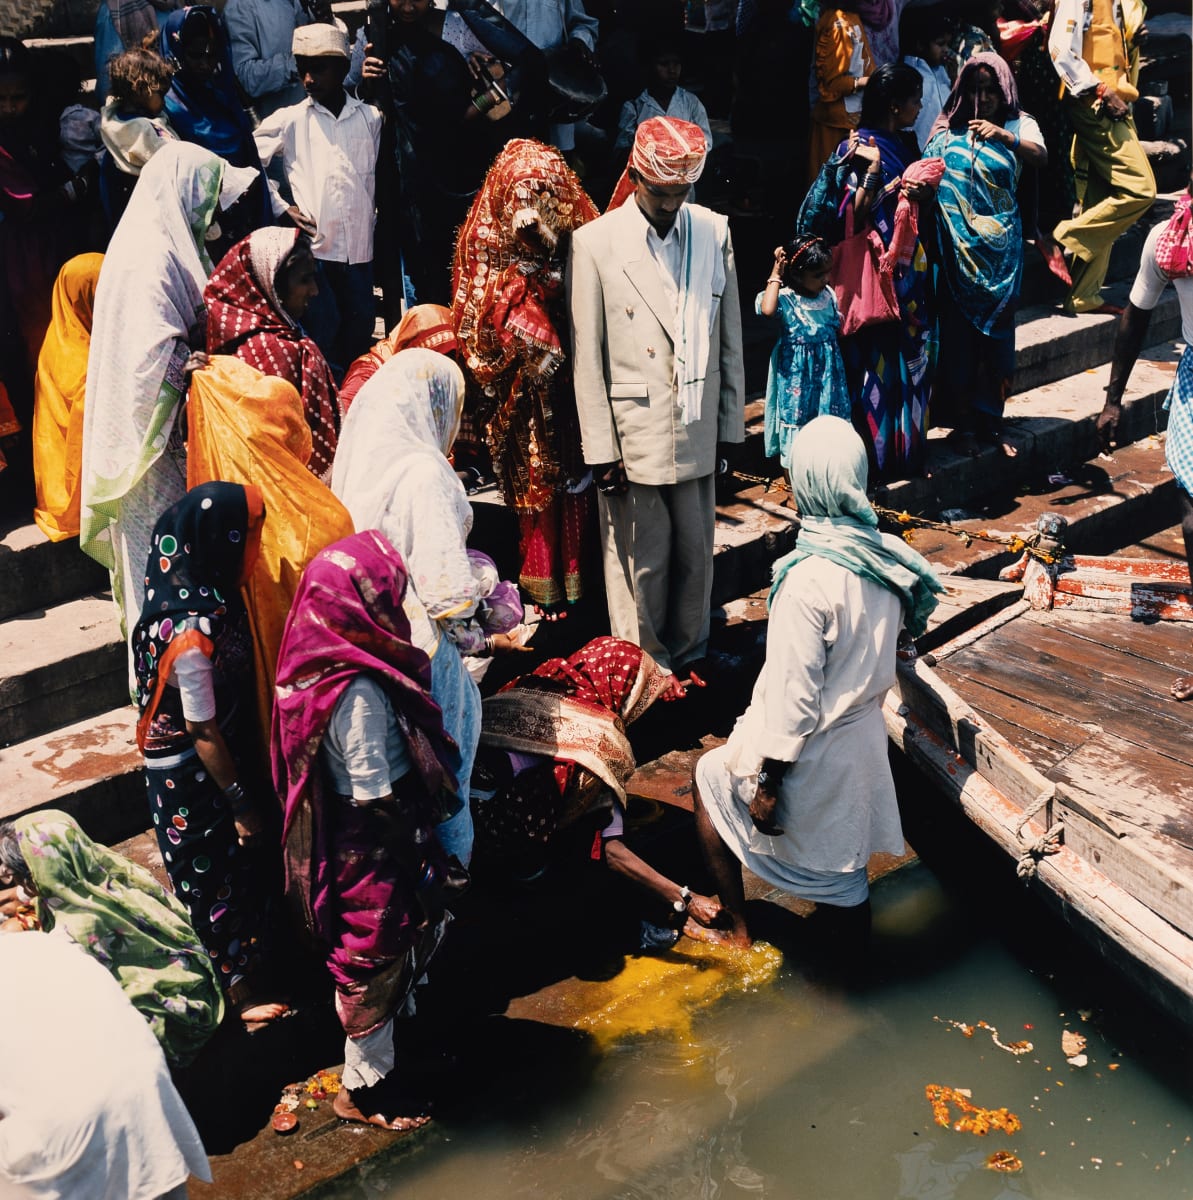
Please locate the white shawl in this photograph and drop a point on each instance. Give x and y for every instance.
(701, 283)
(392, 474)
(149, 315)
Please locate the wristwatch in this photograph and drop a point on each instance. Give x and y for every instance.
(685, 898)
(767, 782)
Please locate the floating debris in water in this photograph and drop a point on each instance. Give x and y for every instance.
(977, 1120)
(1004, 1161)
(1072, 1046)
(968, 1031)
(660, 993)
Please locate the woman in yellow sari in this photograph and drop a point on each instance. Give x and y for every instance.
(249, 428)
(58, 398)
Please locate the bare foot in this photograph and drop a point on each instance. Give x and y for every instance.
(260, 1014)
(550, 614)
(344, 1107)
(1182, 689)
(736, 937)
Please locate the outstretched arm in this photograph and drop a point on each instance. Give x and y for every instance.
(1128, 341)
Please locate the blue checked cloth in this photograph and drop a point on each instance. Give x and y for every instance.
(1179, 444)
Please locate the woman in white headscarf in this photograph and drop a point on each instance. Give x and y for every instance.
(149, 318)
(802, 792)
(392, 474)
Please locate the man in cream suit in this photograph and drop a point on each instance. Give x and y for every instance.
(657, 359)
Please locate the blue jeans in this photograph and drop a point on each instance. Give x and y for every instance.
(340, 318)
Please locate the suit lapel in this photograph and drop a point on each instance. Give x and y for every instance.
(643, 272)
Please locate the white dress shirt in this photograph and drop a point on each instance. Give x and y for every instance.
(667, 253)
(331, 165)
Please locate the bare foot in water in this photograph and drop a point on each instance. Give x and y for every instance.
(344, 1106)
(1182, 689)
(736, 937)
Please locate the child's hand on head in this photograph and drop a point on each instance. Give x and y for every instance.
(780, 260)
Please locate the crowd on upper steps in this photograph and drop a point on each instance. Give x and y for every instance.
(189, 386)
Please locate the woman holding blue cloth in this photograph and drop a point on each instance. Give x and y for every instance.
(802, 793)
(984, 140)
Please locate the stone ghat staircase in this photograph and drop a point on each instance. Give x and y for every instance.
(67, 731)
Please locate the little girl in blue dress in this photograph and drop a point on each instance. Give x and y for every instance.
(807, 374)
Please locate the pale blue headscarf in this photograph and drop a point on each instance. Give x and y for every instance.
(837, 522)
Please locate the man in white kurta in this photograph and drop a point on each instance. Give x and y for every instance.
(817, 704)
(657, 358)
(802, 792)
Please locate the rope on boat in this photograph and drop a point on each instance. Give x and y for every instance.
(1016, 543)
(1048, 843)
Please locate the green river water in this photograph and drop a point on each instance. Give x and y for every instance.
(802, 1090)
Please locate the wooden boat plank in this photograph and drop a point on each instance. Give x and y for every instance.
(1044, 738)
(964, 603)
(1169, 645)
(1143, 788)
(1171, 571)
(978, 744)
(1159, 956)
(1064, 679)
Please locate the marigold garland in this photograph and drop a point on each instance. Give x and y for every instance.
(979, 1121)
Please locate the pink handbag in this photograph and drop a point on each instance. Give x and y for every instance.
(1174, 246)
(865, 292)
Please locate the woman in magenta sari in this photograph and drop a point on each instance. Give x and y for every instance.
(359, 754)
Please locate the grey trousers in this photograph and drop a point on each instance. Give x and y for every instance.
(657, 544)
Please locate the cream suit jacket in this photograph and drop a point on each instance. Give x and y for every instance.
(623, 358)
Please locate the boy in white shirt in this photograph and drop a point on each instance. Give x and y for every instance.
(329, 144)
(928, 33)
(662, 96)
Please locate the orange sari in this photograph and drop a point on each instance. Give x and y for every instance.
(249, 428)
(58, 398)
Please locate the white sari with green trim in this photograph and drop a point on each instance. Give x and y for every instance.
(149, 315)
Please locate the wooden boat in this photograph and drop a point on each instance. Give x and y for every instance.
(1040, 703)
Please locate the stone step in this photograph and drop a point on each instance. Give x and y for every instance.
(1050, 346)
(58, 665)
(1053, 428)
(38, 573)
(91, 769)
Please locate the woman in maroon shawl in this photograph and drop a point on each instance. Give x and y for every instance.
(554, 756)
(255, 301)
(359, 753)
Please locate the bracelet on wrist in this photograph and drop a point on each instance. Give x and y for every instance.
(772, 279)
(685, 898)
(235, 796)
